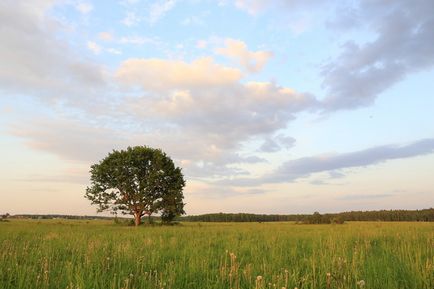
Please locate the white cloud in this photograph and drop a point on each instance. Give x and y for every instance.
(159, 9)
(192, 20)
(212, 41)
(105, 36)
(94, 47)
(198, 19)
(202, 113)
(195, 102)
(159, 74)
(212, 108)
(295, 169)
(201, 44)
(139, 40)
(131, 19)
(39, 63)
(255, 7)
(114, 51)
(403, 45)
(252, 61)
(70, 139)
(97, 49)
(84, 7)
(252, 6)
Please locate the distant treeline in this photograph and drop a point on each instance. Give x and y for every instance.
(425, 215)
(55, 216)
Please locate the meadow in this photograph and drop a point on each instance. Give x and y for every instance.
(100, 254)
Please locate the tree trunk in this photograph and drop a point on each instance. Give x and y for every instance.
(137, 219)
(149, 218)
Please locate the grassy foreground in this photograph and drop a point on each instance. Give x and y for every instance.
(99, 254)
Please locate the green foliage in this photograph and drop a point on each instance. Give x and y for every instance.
(52, 254)
(425, 215)
(138, 181)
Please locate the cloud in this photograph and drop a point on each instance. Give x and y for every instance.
(255, 7)
(403, 45)
(364, 197)
(69, 139)
(198, 19)
(131, 19)
(363, 70)
(227, 112)
(68, 176)
(158, 102)
(201, 44)
(208, 106)
(159, 74)
(139, 40)
(95, 48)
(304, 167)
(114, 51)
(39, 63)
(84, 7)
(105, 36)
(130, 2)
(159, 9)
(252, 61)
(171, 103)
(277, 143)
(193, 20)
(87, 143)
(209, 98)
(269, 146)
(252, 6)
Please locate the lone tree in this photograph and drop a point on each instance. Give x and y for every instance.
(138, 181)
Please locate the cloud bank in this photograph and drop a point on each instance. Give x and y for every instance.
(403, 45)
(252, 61)
(299, 168)
(203, 113)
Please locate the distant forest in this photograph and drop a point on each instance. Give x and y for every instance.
(425, 215)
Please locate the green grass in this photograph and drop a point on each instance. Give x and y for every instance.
(99, 254)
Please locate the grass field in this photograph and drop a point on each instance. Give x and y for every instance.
(100, 254)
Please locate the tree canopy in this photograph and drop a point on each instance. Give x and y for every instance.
(138, 181)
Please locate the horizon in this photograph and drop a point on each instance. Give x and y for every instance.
(126, 216)
(282, 108)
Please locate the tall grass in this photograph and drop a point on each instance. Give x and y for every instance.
(99, 254)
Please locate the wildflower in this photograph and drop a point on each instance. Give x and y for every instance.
(259, 278)
(361, 283)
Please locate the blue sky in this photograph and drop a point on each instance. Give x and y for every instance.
(268, 106)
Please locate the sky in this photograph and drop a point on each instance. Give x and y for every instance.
(268, 106)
